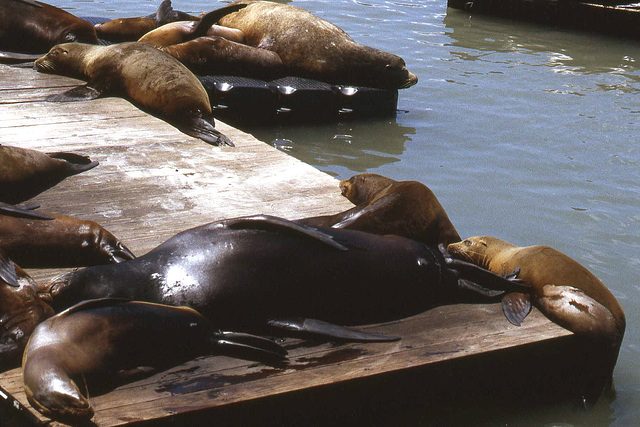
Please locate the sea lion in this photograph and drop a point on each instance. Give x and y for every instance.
(97, 341)
(313, 48)
(25, 173)
(153, 80)
(22, 210)
(562, 289)
(131, 29)
(21, 310)
(62, 242)
(180, 32)
(217, 55)
(385, 206)
(34, 27)
(253, 271)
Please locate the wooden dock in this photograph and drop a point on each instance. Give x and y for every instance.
(618, 18)
(153, 181)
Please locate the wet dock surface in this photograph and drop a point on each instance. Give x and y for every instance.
(153, 181)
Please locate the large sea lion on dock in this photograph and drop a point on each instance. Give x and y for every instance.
(61, 242)
(131, 29)
(97, 341)
(21, 310)
(34, 27)
(314, 48)
(253, 271)
(151, 79)
(563, 290)
(385, 206)
(25, 173)
(182, 31)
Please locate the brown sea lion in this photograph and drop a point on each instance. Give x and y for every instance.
(131, 29)
(314, 48)
(385, 206)
(217, 55)
(151, 79)
(25, 173)
(562, 289)
(180, 32)
(21, 310)
(62, 242)
(99, 340)
(34, 27)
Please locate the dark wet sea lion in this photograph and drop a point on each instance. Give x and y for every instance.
(180, 32)
(25, 173)
(217, 55)
(35, 27)
(62, 242)
(247, 272)
(314, 48)
(151, 79)
(385, 206)
(21, 310)
(96, 341)
(562, 289)
(131, 29)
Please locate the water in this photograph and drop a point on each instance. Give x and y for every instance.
(526, 132)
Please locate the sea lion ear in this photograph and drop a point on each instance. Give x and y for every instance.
(482, 242)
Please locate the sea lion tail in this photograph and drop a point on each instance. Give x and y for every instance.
(199, 127)
(243, 343)
(213, 17)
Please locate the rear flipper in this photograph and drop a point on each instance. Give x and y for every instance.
(17, 57)
(199, 127)
(314, 327)
(80, 93)
(516, 307)
(23, 211)
(75, 163)
(246, 345)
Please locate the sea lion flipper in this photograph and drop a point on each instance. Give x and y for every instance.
(516, 306)
(121, 254)
(473, 286)
(94, 303)
(254, 343)
(198, 127)
(328, 330)
(272, 223)
(23, 211)
(355, 217)
(75, 162)
(165, 13)
(8, 271)
(80, 93)
(7, 57)
(213, 17)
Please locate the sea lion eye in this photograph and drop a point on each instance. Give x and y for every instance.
(468, 242)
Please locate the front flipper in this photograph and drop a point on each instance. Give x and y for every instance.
(23, 211)
(361, 218)
(213, 17)
(80, 93)
(198, 127)
(274, 223)
(316, 327)
(516, 307)
(8, 271)
(242, 343)
(121, 254)
(75, 162)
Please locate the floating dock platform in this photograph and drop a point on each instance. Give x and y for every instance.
(154, 181)
(616, 17)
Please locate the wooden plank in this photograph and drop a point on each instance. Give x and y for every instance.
(152, 182)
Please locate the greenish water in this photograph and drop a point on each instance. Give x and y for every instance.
(526, 132)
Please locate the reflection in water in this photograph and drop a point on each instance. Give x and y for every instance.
(354, 146)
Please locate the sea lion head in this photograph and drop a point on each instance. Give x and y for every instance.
(479, 250)
(21, 310)
(382, 69)
(81, 32)
(67, 59)
(364, 187)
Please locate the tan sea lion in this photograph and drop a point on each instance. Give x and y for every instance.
(25, 173)
(385, 206)
(34, 27)
(313, 48)
(61, 242)
(131, 29)
(217, 55)
(562, 289)
(21, 310)
(151, 79)
(98, 341)
(180, 32)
